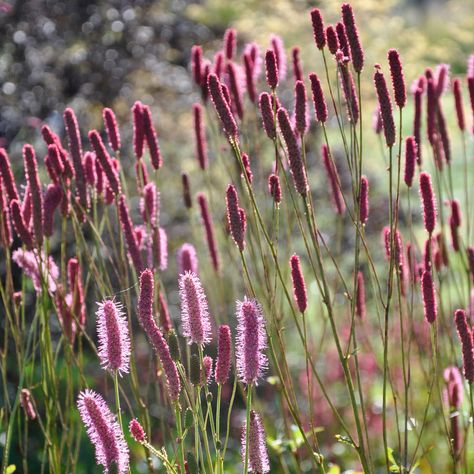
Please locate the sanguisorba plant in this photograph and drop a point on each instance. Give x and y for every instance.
(341, 350)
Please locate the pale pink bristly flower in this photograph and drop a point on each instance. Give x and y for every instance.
(187, 259)
(258, 455)
(104, 432)
(114, 340)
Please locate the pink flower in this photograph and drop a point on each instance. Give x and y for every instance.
(28, 261)
(224, 343)
(136, 431)
(187, 259)
(257, 455)
(112, 128)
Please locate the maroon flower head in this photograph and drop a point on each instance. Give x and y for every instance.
(26, 404)
(136, 430)
(271, 68)
(364, 199)
(112, 128)
(235, 89)
(297, 69)
(224, 348)
(266, 110)
(248, 170)
(457, 92)
(431, 107)
(209, 230)
(196, 64)
(150, 204)
(429, 297)
(318, 99)
(230, 43)
(417, 123)
(31, 169)
(274, 188)
(398, 79)
(428, 202)
(318, 28)
(18, 223)
(385, 105)
(300, 108)
(52, 200)
(350, 93)
(276, 43)
(222, 106)
(357, 53)
(7, 175)
(250, 77)
(138, 129)
(151, 138)
(456, 213)
(187, 259)
(410, 160)
(332, 39)
(342, 39)
(257, 455)
(55, 160)
(236, 224)
(186, 191)
(299, 286)
(465, 337)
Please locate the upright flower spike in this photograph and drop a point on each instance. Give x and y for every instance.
(137, 431)
(334, 181)
(21, 228)
(114, 340)
(52, 200)
(194, 309)
(350, 93)
(258, 455)
(188, 202)
(342, 39)
(222, 107)
(266, 110)
(138, 129)
(230, 43)
(7, 175)
(385, 105)
(105, 161)
(364, 200)
(271, 69)
(428, 202)
(31, 169)
(297, 69)
(454, 396)
(196, 64)
(5, 222)
(294, 155)
(429, 298)
(299, 286)
(90, 170)
(209, 230)
(150, 204)
(112, 129)
(332, 40)
(301, 119)
(26, 404)
(357, 53)
(249, 77)
(200, 136)
(187, 259)
(398, 79)
(234, 217)
(431, 107)
(274, 188)
(318, 28)
(360, 307)
(465, 337)
(111, 450)
(151, 138)
(457, 92)
(145, 317)
(276, 44)
(251, 341)
(129, 234)
(75, 148)
(320, 106)
(410, 160)
(207, 363)
(224, 348)
(235, 89)
(417, 95)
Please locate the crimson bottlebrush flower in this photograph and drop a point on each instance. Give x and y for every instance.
(112, 129)
(454, 234)
(7, 175)
(111, 450)
(442, 248)
(410, 159)
(51, 171)
(360, 296)
(248, 170)
(28, 261)
(52, 200)
(151, 138)
(31, 169)
(342, 38)
(364, 200)
(100, 179)
(398, 79)
(55, 160)
(458, 103)
(299, 286)
(465, 337)
(230, 43)
(51, 138)
(271, 68)
(257, 456)
(428, 202)
(105, 161)
(129, 234)
(332, 40)
(350, 93)
(164, 315)
(236, 225)
(276, 44)
(470, 259)
(26, 206)
(21, 228)
(114, 339)
(266, 110)
(138, 129)
(274, 188)
(196, 63)
(318, 98)
(297, 69)
(318, 28)
(427, 255)
(26, 404)
(386, 241)
(235, 89)
(186, 191)
(145, 317)
(209, 230)
(253, 50)
(301, 120)
(5, 222)
(333, 179)
(194, 312)
(357, 53)
(251, 341)
(431, 106)
(377, 120)
(224, 348)
(90, 171)
(385, 105)
(207, 363)
(160, 248)
(187, 259)
(75, 148)
(249, 77)
(200, 136)
(136, 430)
(150, 204)
(441, 77)
(429, 298)
(443, 133)
(294, 155)
(417, 123)
(77, 290)
(222, 106)
(454, 392)
(456, 213)
(226, 94)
